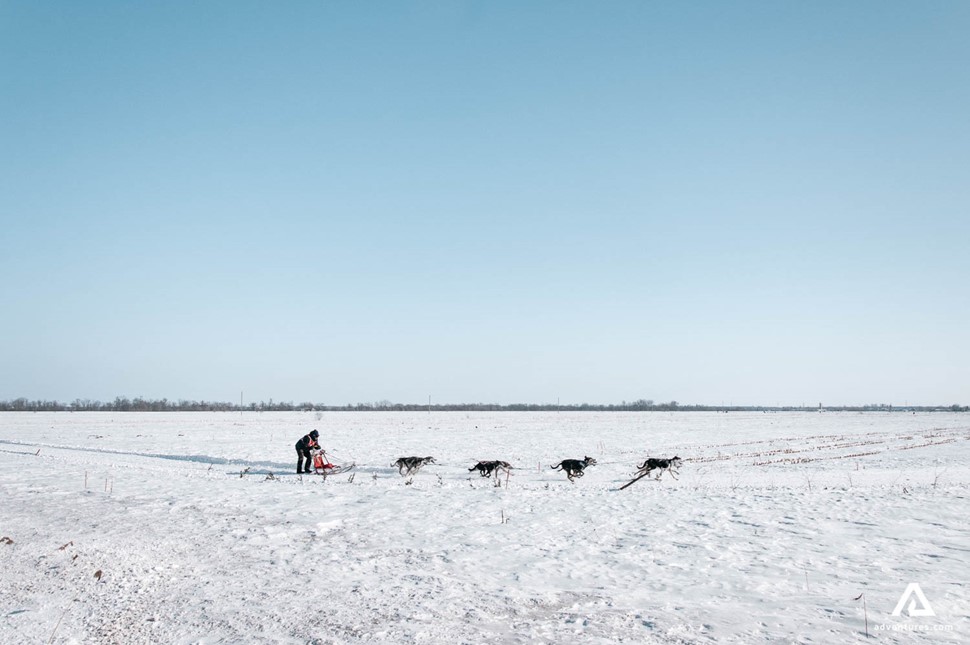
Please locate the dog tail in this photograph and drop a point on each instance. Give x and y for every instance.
(557, 466)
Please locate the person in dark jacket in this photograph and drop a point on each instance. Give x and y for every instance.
(303, 447)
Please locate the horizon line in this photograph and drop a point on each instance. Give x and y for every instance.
(141, 404)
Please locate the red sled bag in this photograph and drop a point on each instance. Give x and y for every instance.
(319, 463)
(322, 466)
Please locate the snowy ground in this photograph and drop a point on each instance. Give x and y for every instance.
(777, 523)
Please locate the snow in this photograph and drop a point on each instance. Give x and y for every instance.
(776, 524)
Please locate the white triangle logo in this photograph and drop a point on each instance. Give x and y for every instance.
(914, 590)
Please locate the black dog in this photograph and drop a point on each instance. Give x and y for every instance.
(671, 465)
(409, 465)
(486, 468)
(574, 467)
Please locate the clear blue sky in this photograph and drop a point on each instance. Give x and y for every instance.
(764, 202)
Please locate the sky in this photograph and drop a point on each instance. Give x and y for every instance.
(707, 202)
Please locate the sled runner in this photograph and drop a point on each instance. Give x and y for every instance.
(322, 466)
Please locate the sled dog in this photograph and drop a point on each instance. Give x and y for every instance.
(670, 465)
(486, 468)
(574, 467)
(409, 465)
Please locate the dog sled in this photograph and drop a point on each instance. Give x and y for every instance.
(323, 466)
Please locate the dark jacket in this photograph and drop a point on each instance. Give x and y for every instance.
(306, 444)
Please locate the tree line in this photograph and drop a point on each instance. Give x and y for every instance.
(139, 404)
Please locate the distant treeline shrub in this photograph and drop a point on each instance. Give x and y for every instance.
(139, 404)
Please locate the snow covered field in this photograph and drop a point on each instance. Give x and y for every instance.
(777, 523)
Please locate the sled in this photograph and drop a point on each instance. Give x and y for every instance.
(322, 466)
